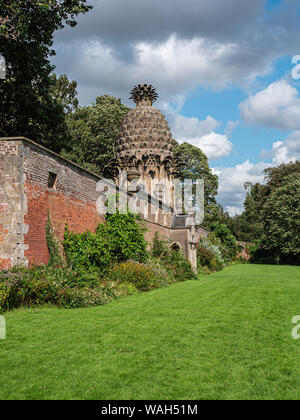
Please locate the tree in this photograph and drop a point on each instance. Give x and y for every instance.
(251, 221)
(249, 226)
(195, 166)
(94, 131)
(26, 37)
(281, 221)
(64, 92)
(275, 177)
(222, 232)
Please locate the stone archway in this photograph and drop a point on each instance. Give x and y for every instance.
(175, 246)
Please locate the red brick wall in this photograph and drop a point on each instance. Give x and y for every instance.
(244, 253)
(72, 201)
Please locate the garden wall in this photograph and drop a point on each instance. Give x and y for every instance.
(35, 181)
(11, 206)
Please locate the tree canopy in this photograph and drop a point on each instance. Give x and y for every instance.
(26, 38)
(195, 166)
(281, 221)
(94, 130)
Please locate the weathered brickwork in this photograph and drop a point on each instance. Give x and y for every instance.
(11, 240)
(26, 197)
(72, 199)
(180, 236)
(35, 181)
(243, 249)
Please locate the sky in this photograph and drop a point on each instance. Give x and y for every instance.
(227, 74)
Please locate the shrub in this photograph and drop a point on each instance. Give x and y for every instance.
(174, 261)
(143, 276)
(225, 253)
(126, 289)
(258, 255)
(209, 254)
(58, 286)
(126, 236)
(207, 258)
(119, 239)
(228, 241)
(55, 257)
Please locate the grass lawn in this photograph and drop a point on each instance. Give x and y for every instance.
(224, 336)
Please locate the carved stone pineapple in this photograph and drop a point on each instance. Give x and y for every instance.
(145, 139)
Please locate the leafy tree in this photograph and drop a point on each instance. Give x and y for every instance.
(119, 239)
(275, 177)
(281, 221)
(94, 131)
(26, 38)
(249, 225)
(251, 221)
(64, 92)
(195, 166)
(222, 232)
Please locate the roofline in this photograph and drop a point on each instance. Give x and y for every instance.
(25, 139)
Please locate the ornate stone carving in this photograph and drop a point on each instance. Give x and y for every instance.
(145, 139)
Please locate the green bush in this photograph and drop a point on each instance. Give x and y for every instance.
(58, 286)
(228, 241)
(258, 255)
(210, 255)
(143, 276)
(174, 261)
(119, 239)
(204, 257)
(207, 258)
(225, 253)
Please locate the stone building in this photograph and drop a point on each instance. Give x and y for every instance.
(34, 181)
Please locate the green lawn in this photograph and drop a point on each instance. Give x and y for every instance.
(224, 336)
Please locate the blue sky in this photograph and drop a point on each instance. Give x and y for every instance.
(223, 71)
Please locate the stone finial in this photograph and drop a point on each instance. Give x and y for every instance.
(143, 95)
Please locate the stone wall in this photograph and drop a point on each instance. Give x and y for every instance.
(184, 237)
(201, 232)
(11, 221)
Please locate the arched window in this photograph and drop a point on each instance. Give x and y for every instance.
(175, 246)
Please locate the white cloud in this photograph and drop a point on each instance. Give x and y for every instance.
(183, 64)
(185, 128)
(174, 66)
(200, 133)
(214, 145)
(284, 151)
(231, 180)
(176, 45)
(277, 106)
(231, 183)
(233, 211)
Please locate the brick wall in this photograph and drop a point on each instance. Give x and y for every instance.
(26, 197)
(72, 199)
(244, 253)
(33, 181)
